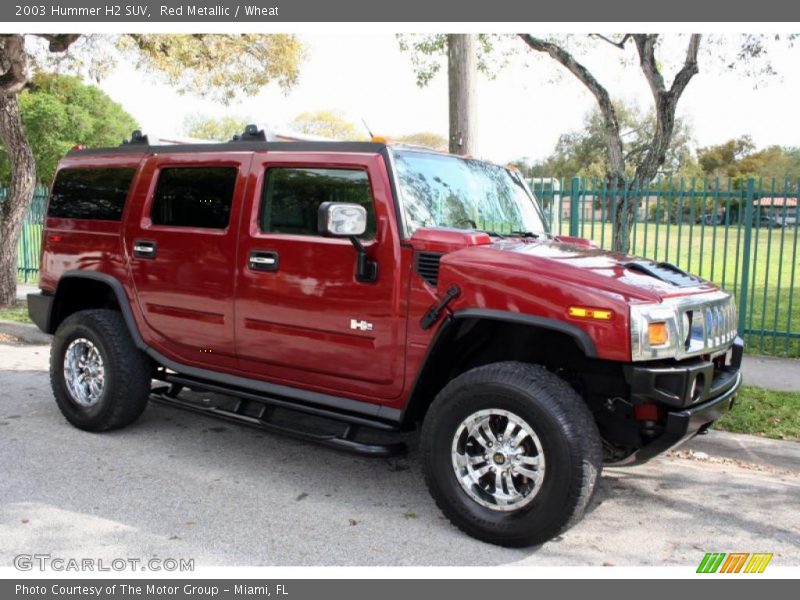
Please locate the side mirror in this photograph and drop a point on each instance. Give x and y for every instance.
(341, 219)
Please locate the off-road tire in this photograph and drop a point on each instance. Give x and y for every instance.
(569, 438)
(127, 371)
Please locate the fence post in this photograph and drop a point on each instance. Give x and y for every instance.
(748, 238)
(574, 206)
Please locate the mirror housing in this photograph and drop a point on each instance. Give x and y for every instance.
(341, 219)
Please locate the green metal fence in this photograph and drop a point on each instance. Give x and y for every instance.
(30, 240)
(742, 235)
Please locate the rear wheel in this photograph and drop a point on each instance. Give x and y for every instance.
(100, 380)
(511, 453)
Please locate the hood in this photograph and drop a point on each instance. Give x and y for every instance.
(581, 264)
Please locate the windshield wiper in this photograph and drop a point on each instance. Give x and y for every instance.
(492, 233)
(527, 234)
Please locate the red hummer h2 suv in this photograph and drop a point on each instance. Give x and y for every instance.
(377, 287)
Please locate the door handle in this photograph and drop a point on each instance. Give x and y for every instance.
(263, 260)
(144, 249)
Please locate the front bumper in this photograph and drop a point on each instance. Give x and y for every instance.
(696, 395)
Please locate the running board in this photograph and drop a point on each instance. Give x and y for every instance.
(243, 414)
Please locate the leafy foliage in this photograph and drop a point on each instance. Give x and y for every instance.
(428, 53)
(427, 139)
(326, 123)
(60, 111)
(217, 66)
(216, 129)
(739, 160)
(583, 152)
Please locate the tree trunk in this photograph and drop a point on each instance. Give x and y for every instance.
(20, 193)
(462, 72)
(624, 209)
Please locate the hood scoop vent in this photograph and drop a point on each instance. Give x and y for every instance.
(664, 271)
(426, 264)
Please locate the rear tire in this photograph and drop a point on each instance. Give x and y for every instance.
(100, 380)
(523, 489)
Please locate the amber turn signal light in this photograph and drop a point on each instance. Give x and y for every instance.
(657, 334)
(585, 312)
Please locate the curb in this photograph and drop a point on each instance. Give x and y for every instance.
(777, 454)
(25, 333)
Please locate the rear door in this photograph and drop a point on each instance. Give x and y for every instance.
(182, 249)
(301, 315)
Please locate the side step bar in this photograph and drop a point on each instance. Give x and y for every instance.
(243, 414)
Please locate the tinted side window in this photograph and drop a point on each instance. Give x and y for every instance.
(90, 193)
(194, 197)
(291, 197)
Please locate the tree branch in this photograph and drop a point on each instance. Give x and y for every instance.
(689, 68)
(666, 100)
(14, 62)
(620, 44)
(562, 56)
(59, 42)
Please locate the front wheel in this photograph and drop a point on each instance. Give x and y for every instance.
(511, 453)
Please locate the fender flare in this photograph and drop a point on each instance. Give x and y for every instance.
(450, 324)
(119, 292)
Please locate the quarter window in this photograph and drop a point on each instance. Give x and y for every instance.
(194, 197)
(90, 193)
(291, 197)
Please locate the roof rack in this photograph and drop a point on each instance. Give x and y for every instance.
(137, 137)
(251, 133)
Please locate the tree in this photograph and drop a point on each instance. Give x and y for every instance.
(649, 160)
(215, 65)
(60, 111)
(428, 139)
(582, 152)
(738, 160)
(750, 54)
(328, 124)
(465, 55)
(217, 129)
(462, 87)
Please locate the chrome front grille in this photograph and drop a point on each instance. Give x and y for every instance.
(707, 326)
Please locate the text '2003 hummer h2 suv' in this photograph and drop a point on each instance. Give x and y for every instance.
(362, 282)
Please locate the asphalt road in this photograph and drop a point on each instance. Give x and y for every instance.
(181, 485)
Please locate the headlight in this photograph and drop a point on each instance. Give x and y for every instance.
(654, 331)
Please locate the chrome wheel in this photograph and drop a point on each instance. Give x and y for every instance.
(498, 459)
(84, 372)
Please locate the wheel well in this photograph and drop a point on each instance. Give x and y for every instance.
(77, 293)
(470, 343)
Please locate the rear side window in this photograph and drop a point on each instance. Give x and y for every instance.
(291, 197)
(90, 193)
(194, 197)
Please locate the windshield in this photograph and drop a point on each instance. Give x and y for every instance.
(440, 190)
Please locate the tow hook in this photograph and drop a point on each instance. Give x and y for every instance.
(435, 311)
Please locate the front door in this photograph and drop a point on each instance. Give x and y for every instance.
(301, 316)
(182, 248)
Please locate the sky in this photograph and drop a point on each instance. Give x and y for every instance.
(522, 111)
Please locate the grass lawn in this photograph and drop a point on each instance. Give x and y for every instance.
(764, 412)
(17, 312)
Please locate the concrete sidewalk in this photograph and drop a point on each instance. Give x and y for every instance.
(780, 374)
